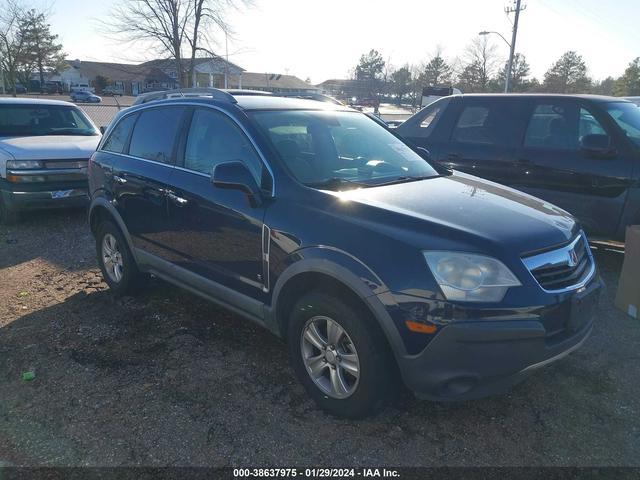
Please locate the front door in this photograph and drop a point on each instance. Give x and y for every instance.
(217, 233)
(554, 168)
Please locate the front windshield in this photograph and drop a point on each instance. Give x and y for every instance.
(627, 116)
(38, 120)
(340, 150)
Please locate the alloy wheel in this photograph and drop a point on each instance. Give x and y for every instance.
(112, 257)
(330, 357)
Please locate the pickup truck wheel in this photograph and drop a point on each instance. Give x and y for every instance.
(116, 262)
(340, 357)
(8, 215)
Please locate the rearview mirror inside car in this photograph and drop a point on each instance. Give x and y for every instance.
(236, 176)
(598, 145)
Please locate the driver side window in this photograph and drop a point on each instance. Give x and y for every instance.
(214, 138)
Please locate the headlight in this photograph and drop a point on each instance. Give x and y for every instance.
(468, 277)
(21, 164)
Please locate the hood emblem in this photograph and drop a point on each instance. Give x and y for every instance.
(573, 258)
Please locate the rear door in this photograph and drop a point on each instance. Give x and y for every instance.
(554, 168)
(141, 175)
(484, 138)
(217, 233)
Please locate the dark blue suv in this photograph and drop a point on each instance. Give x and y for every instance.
(311, 219)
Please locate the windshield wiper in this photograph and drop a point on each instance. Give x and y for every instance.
(403, 179)
(335, 182)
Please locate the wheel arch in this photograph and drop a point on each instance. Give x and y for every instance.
(100, 210)
(347, 277)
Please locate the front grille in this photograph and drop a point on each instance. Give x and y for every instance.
(565, 268)
(53, 164)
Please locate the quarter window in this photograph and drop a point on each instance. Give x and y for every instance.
(117, 141)
(214, 138)
(155, 132)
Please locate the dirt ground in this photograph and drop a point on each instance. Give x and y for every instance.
(167, 379)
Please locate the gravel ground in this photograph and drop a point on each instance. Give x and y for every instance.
(167, 379)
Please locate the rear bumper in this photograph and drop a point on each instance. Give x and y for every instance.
(30, 197)
(474, 359)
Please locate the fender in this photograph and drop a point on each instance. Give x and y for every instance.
(346, 269)
(104, 203)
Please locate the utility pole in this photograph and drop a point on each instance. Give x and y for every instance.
(516, 9)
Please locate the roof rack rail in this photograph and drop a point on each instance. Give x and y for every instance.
(213, 93)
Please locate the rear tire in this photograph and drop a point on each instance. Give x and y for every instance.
(116, 262)
(340, 356)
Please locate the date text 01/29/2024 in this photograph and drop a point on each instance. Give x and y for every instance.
(315, 472)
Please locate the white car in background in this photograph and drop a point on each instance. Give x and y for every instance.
(45, 147)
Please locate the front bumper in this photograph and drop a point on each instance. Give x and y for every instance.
(477, 358)
(22, 197)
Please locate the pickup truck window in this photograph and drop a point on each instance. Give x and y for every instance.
(32, 120)
(560, 126)
(627, 116)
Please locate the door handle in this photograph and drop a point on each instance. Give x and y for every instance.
(119, 180)
(176, 199)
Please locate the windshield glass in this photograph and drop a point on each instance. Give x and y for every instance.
(627, 116)
(36, 120)
(340, 150)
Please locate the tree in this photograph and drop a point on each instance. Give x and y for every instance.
(101, 82)
(479, 65)
(401, 82)
(436, 72)
(173, 26)
(629, 83)
(370, 66)
(567, 75)
(12, 43)
(369, 70)
(519, 72)
(604, 87)
(41, 47)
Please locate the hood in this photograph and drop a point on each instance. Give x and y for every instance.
(50, 147)
(464, 209)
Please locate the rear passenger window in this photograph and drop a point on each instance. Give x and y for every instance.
(214, 138)
(481, 125)
(155, 132)
(117, 141)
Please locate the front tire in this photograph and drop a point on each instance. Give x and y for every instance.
(116, 262)
(340, 355)
(8, 215)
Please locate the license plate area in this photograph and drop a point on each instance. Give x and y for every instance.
(61, 194)
(583, 306)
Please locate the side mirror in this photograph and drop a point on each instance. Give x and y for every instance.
(236, 176)
(424, 153)
(103, 129)
(598, 145)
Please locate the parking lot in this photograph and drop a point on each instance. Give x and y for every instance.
(167, 379)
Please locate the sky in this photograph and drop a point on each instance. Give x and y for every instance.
(324, 39)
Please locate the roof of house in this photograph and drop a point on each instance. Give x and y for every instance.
(274, 81)
(120, 71)
(217, 63)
